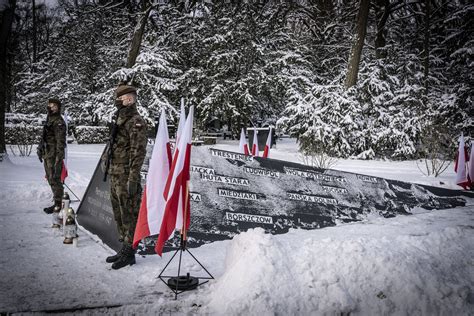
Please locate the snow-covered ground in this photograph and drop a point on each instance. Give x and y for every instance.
(407, 265)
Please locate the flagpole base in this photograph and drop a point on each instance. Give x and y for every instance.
(182, 283)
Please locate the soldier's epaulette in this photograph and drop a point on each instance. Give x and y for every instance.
(137, 122)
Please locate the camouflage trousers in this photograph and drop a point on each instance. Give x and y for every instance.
(53, 175)
(125, 207)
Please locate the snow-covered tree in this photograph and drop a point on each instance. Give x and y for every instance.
(243, 62)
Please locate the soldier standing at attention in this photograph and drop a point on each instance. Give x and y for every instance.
(51, 151)
(123, 161)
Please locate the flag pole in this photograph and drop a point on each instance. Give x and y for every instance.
(180, 283)
(186, 196)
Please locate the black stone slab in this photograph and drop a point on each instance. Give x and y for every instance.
(231, 193)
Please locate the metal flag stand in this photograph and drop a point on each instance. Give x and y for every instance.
(72, 192)
(181, 283)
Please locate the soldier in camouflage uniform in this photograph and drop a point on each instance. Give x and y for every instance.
(51, 151)
(127, 156)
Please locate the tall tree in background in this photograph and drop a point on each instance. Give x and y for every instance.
(426, 44)
(138, 35)
(34, 31)
(6, 26)
(240, 62)
(358, 44)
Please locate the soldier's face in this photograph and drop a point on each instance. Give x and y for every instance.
(53, 107)
(127, 99)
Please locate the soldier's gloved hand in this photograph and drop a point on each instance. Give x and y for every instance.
(132, 188)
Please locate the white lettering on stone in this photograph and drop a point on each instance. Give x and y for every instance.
(334, 189)
(367, 178)
(201, 170)
(314, 175)
(226, 154)
(225, 179)
(262, 172)
(311, 198)
(195, 197)
(240, 217)
(237, 194)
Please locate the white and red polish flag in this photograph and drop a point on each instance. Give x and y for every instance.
(153, 202)
(255, 151)
(177, 188)
(182, 120)
(460, 165)
(243, 146)
(470, 172)
(268, 144)
(64, 173)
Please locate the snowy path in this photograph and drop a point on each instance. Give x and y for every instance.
(420, 264)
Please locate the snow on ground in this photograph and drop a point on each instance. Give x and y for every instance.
(420, 264)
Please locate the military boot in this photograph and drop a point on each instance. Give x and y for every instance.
(111, 259)
(49, 210)
(127, 258)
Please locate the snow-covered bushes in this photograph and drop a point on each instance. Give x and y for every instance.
(435, 150)
(22, 137)
(22, 134)
(28, 119)
(91, 134)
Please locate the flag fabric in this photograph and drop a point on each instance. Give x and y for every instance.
(64, 173)
(153, 202)
(243, 146)
(470, 172)
(255, 151)
(461, 166)
(266, 151)
(177, 188)
(179, 219)
(466, 158)
(182, 119)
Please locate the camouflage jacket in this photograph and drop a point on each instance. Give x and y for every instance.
(55, 138)
(129, 149)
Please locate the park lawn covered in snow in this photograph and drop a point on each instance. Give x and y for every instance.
(418, 264)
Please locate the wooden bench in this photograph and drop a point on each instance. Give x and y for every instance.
(213, 134)
(209, 140)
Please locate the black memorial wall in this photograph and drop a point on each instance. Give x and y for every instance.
(231, 192)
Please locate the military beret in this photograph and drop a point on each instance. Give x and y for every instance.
(56, 101)
(124, 89)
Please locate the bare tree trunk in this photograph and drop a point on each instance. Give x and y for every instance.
(426, 44)
(5, 31)
(358, 44)
(137, 37)
(34, 31)
(382, 13)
